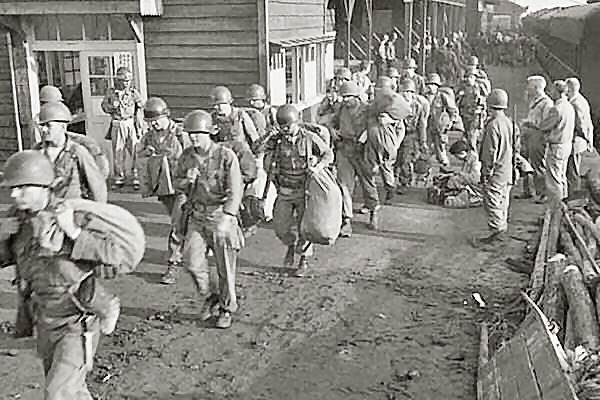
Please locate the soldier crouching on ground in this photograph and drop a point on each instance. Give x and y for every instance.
(161, 146)
(209, 174)
(55, 254)
(290, 156)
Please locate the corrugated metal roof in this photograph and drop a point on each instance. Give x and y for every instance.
(567, 23)
(151, 8)
(299, 41)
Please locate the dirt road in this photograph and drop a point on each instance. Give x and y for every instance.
(385, 315)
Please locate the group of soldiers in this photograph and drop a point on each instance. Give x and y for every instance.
(508, 48)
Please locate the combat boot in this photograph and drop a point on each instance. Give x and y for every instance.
(170, 275)
(119, 182)
(288, 261)
(302, 267)
(109, 318)
(346, 230)
(374, 219)
(495, 238)
(389, 197)
(224, 321)
(210, 308)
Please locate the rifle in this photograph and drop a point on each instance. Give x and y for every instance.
(514, 145)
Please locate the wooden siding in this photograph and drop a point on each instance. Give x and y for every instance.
(198, 44)
(8, 132)
(290, 19)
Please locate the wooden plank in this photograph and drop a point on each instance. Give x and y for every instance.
(210, 10)
(190, 89)
(201, 64)
(275, 3)
(488, 382)
(194, 51)
(204, 77)
(69, 7)
(201, 24)
(203, 38)
(524, 370)
(7, 120)
(507, 382)
(296, 9)
(207, 2)
(263, 46)
(296, 21)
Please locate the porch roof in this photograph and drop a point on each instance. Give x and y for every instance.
(142, 7)
(299, 41)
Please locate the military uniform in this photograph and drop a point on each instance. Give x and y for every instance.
(236, 126)
(124, 133)
(471, 103)
(534, 140)
(414, 140)
(496, 170)
(583, 139)
(210, 219)
(289, 156)
(77, 172)
(417, 79)
(443, 117)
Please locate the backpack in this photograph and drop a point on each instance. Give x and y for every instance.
(94, 149)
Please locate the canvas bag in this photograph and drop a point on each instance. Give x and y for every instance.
(322, 219)
(94, 149)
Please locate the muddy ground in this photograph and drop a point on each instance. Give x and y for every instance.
(384, 315)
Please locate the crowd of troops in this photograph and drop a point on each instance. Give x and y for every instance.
(508, 48)
(220, 173)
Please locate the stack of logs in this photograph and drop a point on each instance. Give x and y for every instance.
(565, 276)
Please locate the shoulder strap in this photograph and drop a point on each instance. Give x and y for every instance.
(309, 149)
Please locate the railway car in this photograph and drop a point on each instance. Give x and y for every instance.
(569, 45)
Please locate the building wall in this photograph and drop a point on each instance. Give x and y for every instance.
(299, 18)
(8, 132)
(198, 44)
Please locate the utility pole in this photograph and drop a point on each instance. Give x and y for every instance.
(408, 22)
(349, 8)
(424, 37)
(369, 4)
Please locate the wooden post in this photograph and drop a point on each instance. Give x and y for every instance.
(553, 233)
(264, 56)
(580, 242)
(369, 4)
(423, 37)
(408, 22)
(553, 303)
(13, 84)
(484, 350)
(585, 322)
(536, 281)
(349, 7)
(434, 19)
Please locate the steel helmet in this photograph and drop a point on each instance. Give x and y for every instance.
(498, 99)
(155, 108)
(256, 92)
(28, 167)
(50, 94)
(343, 73)
(349, 88)
(434, 79)
(287, 114)
(221, 95)
(408, 85)
(473, 61)
(198, 121)
(54, 112)
(385, 82)
(409, 63)
(392, 72)
(124, 74)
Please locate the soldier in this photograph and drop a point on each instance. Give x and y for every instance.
(160, 148)
(496, 157)
(471, 103)
(385, 133)
(70, 309)
(409, 66)
(583, 139)
(78, 173)
(415, 139)
(48, 94)
(390, 49)
(209, 175)
(443, 117)
(361, 77)
(288, 153)
(351, 123)
(382, 65)
(558, 128)
(539, 107)
(123, 103)
(330, 105)
(481, 77)
(232, 123)
(394, 74)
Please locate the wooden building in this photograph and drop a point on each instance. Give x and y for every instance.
(177, 49)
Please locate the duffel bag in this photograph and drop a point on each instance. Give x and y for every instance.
(322, 218)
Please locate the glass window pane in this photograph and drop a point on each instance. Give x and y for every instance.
(96, 27)
(98, 86)
(119, 28)
(99, 65)
(70, 27)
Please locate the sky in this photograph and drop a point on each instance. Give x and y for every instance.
(535, 5)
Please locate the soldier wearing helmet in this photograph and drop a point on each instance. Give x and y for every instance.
(481, 77)
(77, 169)
(443, 117)
(361, 77)
(286, 159)
(415, 140)
(496, 157)
(48, 94)
(209, 175)
(53, 244)
(332, 101)
(124, 104)
(232, 123)
(471, 103)
(409, 68)
(350, 123)
(158, 150)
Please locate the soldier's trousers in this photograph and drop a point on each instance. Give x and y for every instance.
(439, 142)
(199, 238)
(63, 358)
(557, 157)
(574, 172)
(173, 204)
(258, 189)
(287, 217)
(349, 168)
(536, 152)
(386, 169)
(124, 141)
(407, 155)
(496, 199)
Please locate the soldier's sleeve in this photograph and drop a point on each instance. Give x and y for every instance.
(138, 99)
(270, 149)
(234, 184)
(94, 178)
(325, 152)
(249, 129)
(489, 151)
(550, 120)
(579, 119)
(107, 101)
(181, 182)
(422, 126)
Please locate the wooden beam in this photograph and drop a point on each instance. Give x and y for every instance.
(69, 7)
(13, 23)
(263, 44)
(13, 82)
(136, 25)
